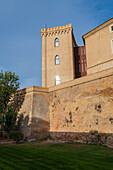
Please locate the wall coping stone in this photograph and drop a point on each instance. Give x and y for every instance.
(75, 82)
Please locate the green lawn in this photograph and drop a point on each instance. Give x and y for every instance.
(56, 156)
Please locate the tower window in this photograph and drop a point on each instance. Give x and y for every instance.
(56, 42)
(57, 61)
(57, 80)
(112, 28)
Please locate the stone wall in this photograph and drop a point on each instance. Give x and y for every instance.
(80, 110)
(82, 137)
(83, 106)
(33, 112)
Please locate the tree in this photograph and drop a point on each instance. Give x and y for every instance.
(8, 86)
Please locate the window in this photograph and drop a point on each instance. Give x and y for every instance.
(79, 66)
(57, 80)
(82, 66)
(57, 61)
(82, 51)
(78, 51)
(111, 28)
(56, 42)
(85, 65)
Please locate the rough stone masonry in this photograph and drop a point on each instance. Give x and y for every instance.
(80, 110)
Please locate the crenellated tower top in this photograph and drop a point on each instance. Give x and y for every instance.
(56, 30)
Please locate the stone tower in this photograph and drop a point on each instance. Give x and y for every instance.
(57, 55)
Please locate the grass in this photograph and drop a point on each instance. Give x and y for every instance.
(56, 156)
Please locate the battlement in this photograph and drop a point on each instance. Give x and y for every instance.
(55, 30)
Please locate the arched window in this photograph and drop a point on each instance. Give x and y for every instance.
(57, 61)
(56, 42)
(57, 80)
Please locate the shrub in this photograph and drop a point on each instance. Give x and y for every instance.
(8, 121)
(16, 136)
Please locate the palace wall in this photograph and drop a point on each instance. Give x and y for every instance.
(99, 48)
(83, 104)
(80, 110)
(33, 106)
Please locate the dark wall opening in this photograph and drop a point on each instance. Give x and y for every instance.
(80, 61)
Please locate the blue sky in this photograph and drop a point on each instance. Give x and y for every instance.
(20, 26)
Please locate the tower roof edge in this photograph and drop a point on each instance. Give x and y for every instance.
(67, 26)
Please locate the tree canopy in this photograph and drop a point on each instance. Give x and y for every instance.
(8, 86)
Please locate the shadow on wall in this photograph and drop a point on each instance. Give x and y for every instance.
(34, 128)
(19, 98)
(81, 137)
(31, 126)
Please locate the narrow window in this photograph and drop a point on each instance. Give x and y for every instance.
(79, 67)
(112, 28)
(82, 66)
(81, 51)
(56, 42)
(57, 80)
(85, 65)
(78, 51)
(57, 61)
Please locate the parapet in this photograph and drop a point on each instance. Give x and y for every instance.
(56, 30)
